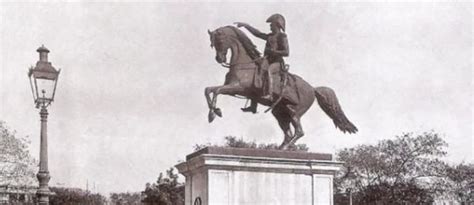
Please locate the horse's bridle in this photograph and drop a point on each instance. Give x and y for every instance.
(228, 65)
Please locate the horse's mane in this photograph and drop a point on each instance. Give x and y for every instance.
(246, 43)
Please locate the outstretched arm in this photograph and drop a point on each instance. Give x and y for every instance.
(252, 30)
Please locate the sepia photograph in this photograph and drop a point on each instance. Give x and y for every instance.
(236, 103)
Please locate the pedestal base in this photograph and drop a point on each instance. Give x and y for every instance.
(231, 176)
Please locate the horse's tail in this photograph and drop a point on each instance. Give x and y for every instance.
(327, 100)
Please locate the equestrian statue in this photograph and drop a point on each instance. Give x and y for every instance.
(266, 80)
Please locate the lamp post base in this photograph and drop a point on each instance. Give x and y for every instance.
(43, 192)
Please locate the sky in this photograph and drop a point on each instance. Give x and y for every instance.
(130, 98)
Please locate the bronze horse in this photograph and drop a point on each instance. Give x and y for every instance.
(293, 99)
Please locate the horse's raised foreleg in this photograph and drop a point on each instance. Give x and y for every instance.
(207, 93)
(212, 109)
(226, 90)
(217, 90)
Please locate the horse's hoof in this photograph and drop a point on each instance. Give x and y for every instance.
(296, 138)
(284, 146)
(211, 116)
(218, 112)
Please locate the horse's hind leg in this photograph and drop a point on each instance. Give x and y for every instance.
(296, 122)
(284, 122)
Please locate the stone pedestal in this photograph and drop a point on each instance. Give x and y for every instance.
(234, 176)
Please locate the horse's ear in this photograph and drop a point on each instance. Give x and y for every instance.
(209, 32)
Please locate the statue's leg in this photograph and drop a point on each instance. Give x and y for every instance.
(207, 93)
(271, 69)
(284, 122)
(226, 90)
(212, 111)
(295, 121)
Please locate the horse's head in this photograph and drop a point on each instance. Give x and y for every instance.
(220, 41)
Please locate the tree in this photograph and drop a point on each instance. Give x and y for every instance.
(16, 164)
(460, 182)
(166, 191)
(75, 196)
(403, 170)
(232, 141)
(125, 198)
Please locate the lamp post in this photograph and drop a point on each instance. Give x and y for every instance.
(43, 80)
(349, 191)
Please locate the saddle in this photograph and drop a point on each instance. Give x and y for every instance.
(284, 83)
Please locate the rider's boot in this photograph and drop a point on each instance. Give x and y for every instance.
(252, 108)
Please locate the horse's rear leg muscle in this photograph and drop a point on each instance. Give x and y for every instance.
(295, 121)
(284, 122)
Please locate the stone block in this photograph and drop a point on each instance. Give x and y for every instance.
(236, 176)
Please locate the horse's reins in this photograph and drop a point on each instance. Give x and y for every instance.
(228, 65)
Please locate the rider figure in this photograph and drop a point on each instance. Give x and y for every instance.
(276, 48)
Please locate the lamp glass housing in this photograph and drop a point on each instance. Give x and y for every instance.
(43, 84)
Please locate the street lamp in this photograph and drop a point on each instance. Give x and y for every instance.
(349, 191)
(43, 79)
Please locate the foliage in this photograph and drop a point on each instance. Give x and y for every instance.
(232, 141)
(16, 164)
(460, 182)
(405, 169)
(18, 195)
(125, 198)
(166, 191)
(75, 196)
